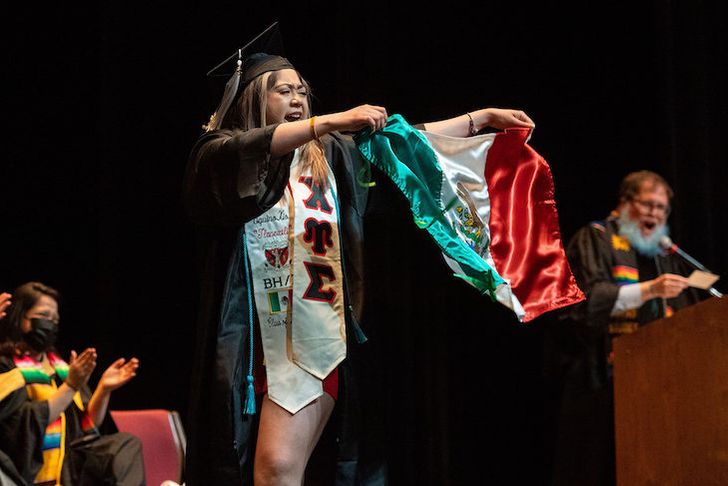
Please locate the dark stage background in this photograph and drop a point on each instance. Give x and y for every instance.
(104, 102)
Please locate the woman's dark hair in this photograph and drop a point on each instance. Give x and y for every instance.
(24, 298)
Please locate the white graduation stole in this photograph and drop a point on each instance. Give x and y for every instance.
(295, 262)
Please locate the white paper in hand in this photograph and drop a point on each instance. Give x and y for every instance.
(702, 280)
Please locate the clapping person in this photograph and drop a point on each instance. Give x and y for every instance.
(49, 421)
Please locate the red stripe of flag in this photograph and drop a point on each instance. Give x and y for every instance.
(525, 237)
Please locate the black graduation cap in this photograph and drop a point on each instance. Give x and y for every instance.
(260, 55)
(268, 41)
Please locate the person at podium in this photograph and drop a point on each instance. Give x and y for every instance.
(629, 280)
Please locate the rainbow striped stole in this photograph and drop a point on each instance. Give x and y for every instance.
(624, 275)
(37, 379)
(41, 386)
(59, 365)
(31, 370)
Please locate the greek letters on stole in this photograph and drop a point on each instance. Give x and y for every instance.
(295, 261)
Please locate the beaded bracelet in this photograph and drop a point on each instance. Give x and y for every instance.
(471, 126)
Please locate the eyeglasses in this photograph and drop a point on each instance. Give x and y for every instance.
(650, 207)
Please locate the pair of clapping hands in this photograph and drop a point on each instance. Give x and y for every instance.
(116, 375)
(82, 365)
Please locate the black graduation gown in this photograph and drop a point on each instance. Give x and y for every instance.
(593, 258)
(585, 438)
(230, 179)
(115, 458)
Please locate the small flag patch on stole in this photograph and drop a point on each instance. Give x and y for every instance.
(278, 301)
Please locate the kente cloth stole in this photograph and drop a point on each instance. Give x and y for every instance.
(41, 386)
(295, 261)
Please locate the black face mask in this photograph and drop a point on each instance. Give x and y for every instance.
(42, 334)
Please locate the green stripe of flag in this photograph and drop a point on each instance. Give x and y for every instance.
(404, 154)
(274, 302)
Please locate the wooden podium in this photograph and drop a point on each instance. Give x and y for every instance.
(671, 399)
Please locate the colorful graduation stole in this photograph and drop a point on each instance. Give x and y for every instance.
(40, 385)
(295, 261)
(625, 272)
(625, 275)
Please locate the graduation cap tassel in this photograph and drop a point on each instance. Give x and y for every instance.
(267, 42)
(231, 90)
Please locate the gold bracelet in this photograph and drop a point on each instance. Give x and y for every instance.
(312, 123)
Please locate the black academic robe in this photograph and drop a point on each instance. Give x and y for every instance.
(230, 179)
(599, 258)
(89, 459)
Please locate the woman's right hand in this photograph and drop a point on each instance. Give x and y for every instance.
(374, 117)
(80, 368)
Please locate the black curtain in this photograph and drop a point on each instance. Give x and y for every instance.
(104, 102)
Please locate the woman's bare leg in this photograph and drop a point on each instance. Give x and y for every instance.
(286, 441)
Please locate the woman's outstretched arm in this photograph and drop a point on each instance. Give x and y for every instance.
(288, 136)
(499, 118)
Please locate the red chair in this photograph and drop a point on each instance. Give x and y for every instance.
(163, 441)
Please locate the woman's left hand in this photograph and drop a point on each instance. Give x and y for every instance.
(118, 374)
(501, 118)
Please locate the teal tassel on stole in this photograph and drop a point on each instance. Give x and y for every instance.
(250, 407)
(250, 397)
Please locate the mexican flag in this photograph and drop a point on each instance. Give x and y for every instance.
(278, 301)
(488, 202)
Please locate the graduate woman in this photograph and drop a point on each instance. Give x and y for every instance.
(277, 198)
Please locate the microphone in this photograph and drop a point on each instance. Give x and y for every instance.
(670, 247)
